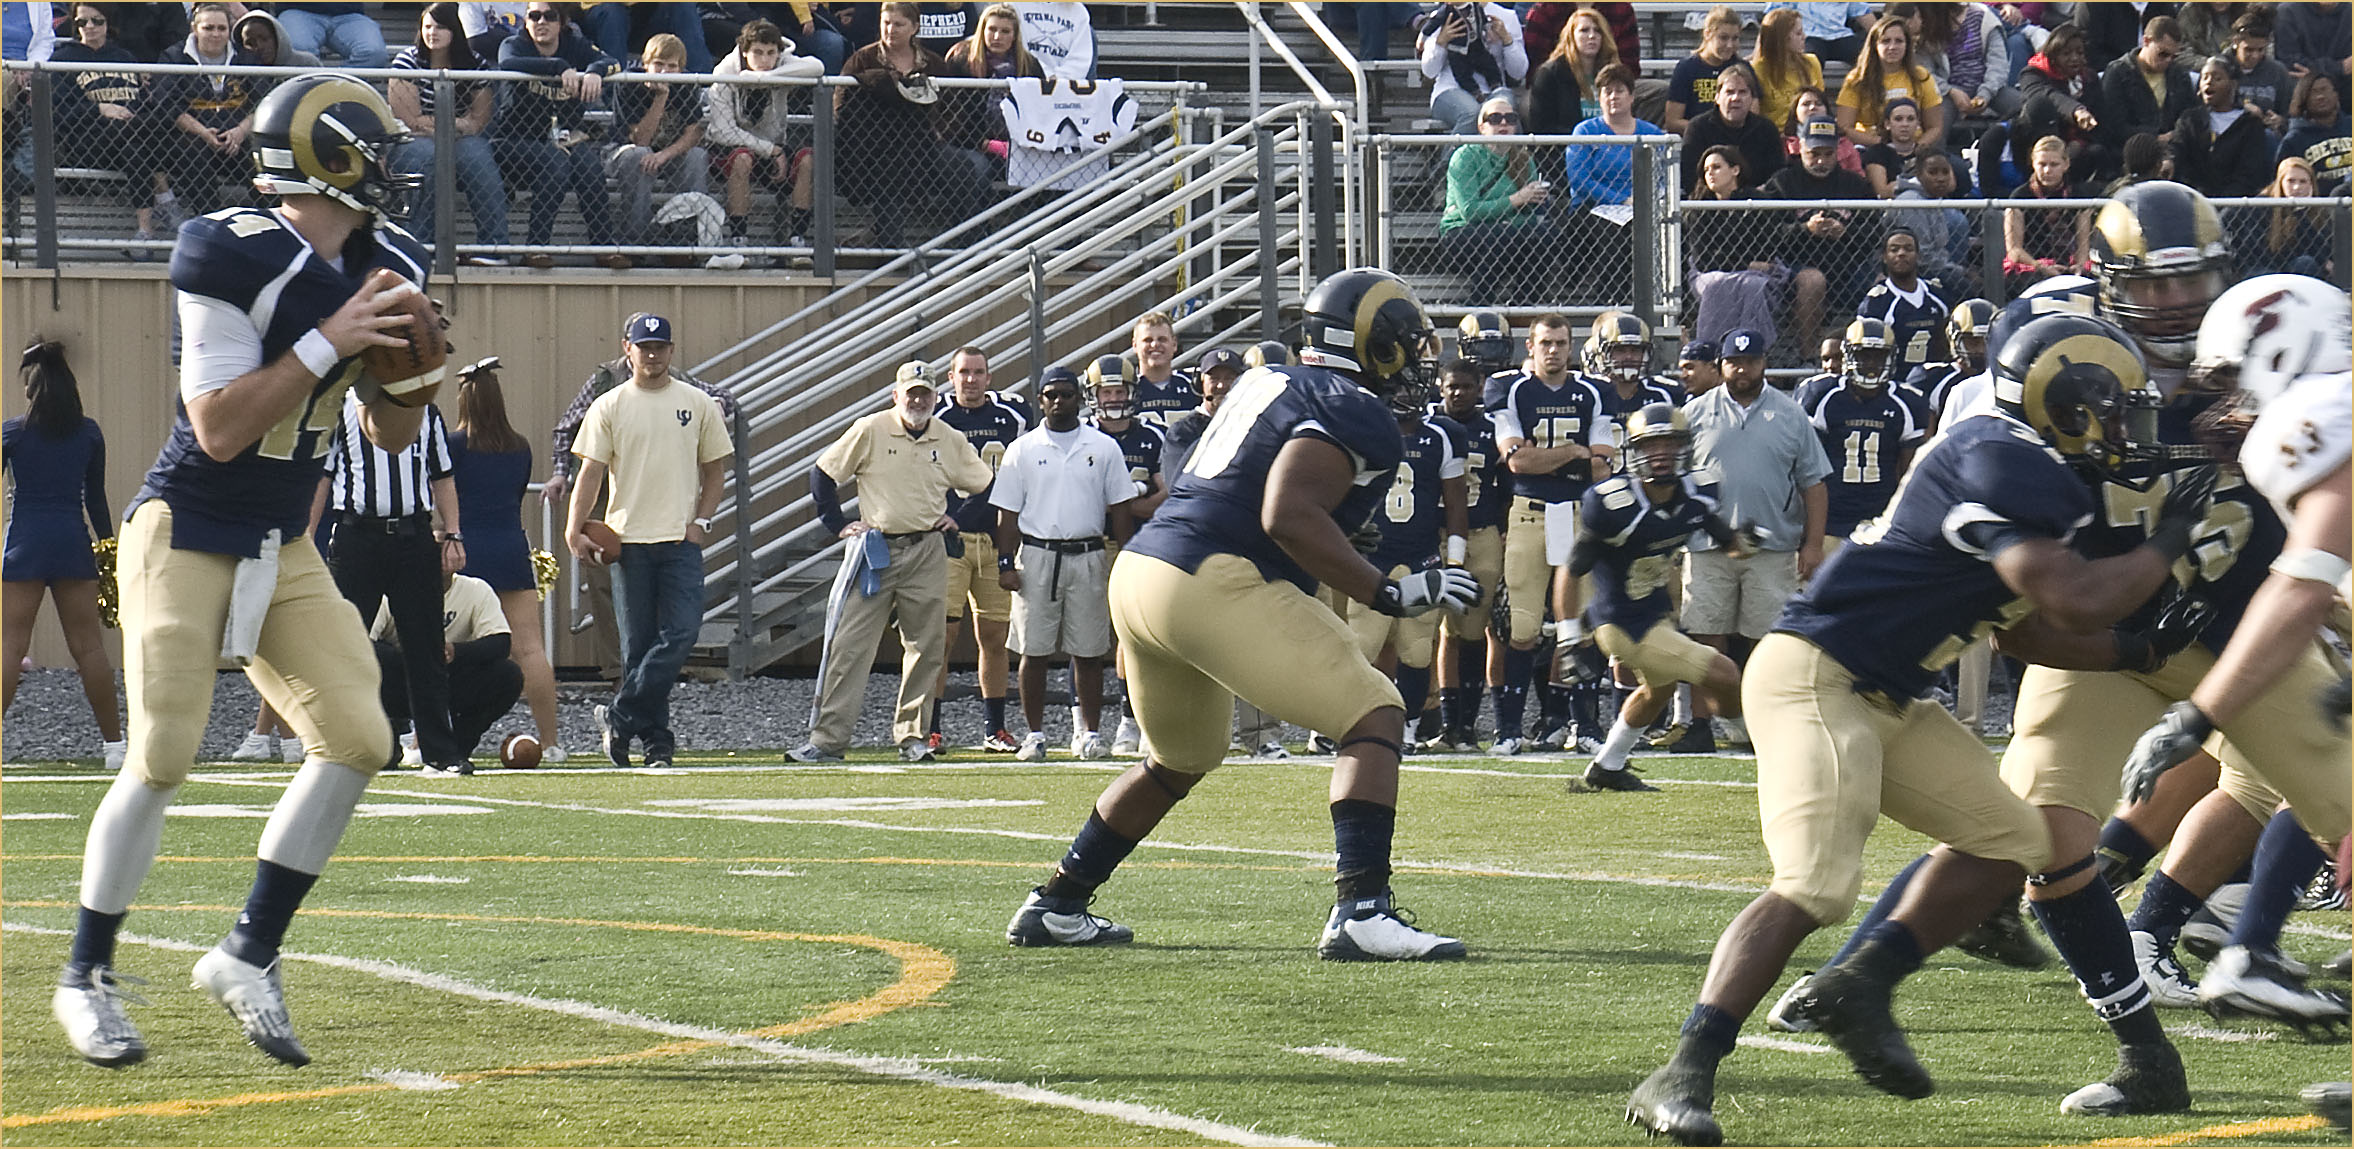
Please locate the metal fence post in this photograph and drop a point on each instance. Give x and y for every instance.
(1039, 355)
(445, 178)
(739, 652)
(1991, 241)
(1270, 282)
(821, 177)
(1646, 238)
(44, 174)
(1324, 247)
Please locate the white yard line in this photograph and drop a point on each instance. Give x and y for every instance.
(1760, 1041)
(1344, 1053)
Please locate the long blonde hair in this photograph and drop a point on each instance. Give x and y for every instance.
(975, 58)
(1566, 50)
(2280, 233)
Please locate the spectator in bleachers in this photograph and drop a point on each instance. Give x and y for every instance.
(993, 52)
(891, 148)
(1964, 48)
(2311, 39)
(1469, 52)
(1693, 85)
(2207, 30)
(1885, 161)
(537, 134)
(439, 45)
(747, 127)
(662, 128)
(99, 117)
(1833, 31)
(488, 26)
(2220, 146)
(1783, 66)
(1494, 232)
(814, 30)
(2264, 84)
(617, 29)
(1602, 188)
(1944, 232)
(343, 29)
(1734, 120)
(2319, 132)
(2299, 240)
(1734, 285)
(1829, 249)
(146, 30)
(1561, 93)
(1908, 303)
(1374, 23)
(1061, 38)
(1810, 103)
(2145, 89)
(213, 114)
(264, 38)
(1888, 73)
(2114, 30)
(938, 26)
(2025, 28)
(2041, 243)
(2145, 159)
(2062, 97)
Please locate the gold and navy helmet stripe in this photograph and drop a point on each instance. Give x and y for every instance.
(2071, 351)
(316, 109)
(2171, 213)
(1380, 361)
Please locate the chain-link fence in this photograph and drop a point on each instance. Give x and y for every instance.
(669, 169)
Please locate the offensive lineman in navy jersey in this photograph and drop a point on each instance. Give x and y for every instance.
(1631, 527)
(1977, 539)
(215, 561)
(990, 421)
(1868, 429)
(1204, 596)
(1423, 520)
(1471, 644)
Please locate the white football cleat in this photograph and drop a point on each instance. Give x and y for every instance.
(1372, 929)
(257, 747)
(256, 997)
(1045, 921)
(1785, 1015)
(2170, 985)
(90, 1008)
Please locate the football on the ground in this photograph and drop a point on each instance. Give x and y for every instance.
(408, 374)
(519, 752)
(605, 539)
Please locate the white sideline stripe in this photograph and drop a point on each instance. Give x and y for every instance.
(1344, 1053)
(2210, 1033)
(2313, 931)
(37, 817)
(411, 1079)
(755, 872)
(1688, 856)
(429, 879)
(1784, 1044)
(904, 1069)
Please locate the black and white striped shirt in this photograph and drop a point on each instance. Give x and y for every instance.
(365, 479)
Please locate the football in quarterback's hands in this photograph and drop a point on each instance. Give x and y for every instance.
(410, 372)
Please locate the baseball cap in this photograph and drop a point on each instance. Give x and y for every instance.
(1819, 132)
(1058, 375)
(1221, 359)
(645, 328)
(914, 374)
(1698, 349)
(1742, 343)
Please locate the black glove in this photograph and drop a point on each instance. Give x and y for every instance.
(2186, 503)
(2176, 627)
(2164, 746)
(1367, 538)
(1419, 594)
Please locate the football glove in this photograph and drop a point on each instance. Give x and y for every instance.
(2177, 626)
(2186, 503)
(1426, 591)
(1367, 538)
(2164, 746)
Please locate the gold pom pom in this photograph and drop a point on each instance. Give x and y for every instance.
(109, 601)
(545, 570)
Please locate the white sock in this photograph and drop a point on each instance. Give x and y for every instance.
(1682, 711)
(1614, 748)
(125, 834)
(310, 817)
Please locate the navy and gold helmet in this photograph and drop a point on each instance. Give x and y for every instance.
(2068, 377)
(1366, 323)
(1110, 371)
(1659, 443)
(1619, 347)
(1267, 353)
(1485, 338)
(1966, 331)
(2161, 257)
(1866, 349)
(330, 134)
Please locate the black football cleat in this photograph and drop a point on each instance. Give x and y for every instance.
(2333, 1101)
(2004, 939)
(2149, 1079)
(1676, 1102)
(1853, 1011)
(1600, 777)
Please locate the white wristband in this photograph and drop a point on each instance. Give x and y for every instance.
(1456, 549)
(316, 352)
(2310, 565)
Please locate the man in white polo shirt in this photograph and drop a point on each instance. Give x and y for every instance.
(1058, 484)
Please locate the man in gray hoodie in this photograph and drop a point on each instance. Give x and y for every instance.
(259, 35)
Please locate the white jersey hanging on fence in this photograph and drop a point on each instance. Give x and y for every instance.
(1053, 122)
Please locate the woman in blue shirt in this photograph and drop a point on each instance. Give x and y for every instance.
(1603, 176)
(491, 465)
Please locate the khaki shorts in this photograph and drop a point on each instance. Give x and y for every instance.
(973, 578)
(1830, 761)
(1528, 578)
(1483, 556)
(2074, 730)
(1664, 656)
(1061, 612)
(1415, 639)
(1726, 595)
(313, 664)
(1193, 642)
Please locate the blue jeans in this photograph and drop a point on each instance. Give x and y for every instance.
(658, 608)
(609, 27)
(1457, 109)
(823, 44)
(551, 171)
(478, 178)
(353, 36)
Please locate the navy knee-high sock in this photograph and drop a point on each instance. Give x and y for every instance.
(1512, 697)
(1094, 854)
(1361, 834)
(277, 893)
(2286, 859)
(2165, 907)
(1414, 687)
(93, 943)
(2089, 932)
(1882, 906)
(2124, 849)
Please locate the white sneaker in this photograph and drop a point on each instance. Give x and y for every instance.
(1735, 731)
(915, 750)
(410, 755)
(1087, 744)
(1371, 929)
(257, 747)
(551, 752)
(290, 750)
(116, 752)
(1127, 740)
(92, 1013)
(1785, 1016)
(256, 997)
(2170, 986)
(1273, 749)
(1506, 747)
(1033, 747)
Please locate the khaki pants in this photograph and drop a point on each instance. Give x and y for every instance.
(912, 600)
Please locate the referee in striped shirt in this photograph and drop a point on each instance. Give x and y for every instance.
(387, 549)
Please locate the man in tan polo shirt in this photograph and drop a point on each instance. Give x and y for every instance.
(905, 462)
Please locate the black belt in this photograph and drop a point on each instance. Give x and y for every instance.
(419, 523)
(1065, 546)
(907, 535)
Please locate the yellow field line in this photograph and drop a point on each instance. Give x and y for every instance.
(923, 972)
(2261, 1127)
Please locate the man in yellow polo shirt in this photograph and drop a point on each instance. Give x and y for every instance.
(895, 566)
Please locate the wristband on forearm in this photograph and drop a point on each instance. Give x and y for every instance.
(2171, 538)
(2134, 651)
(316, 353)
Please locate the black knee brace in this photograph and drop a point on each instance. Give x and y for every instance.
(1376, 740)
(2048, 877)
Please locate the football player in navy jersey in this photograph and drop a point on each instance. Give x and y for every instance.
(990, 422)
(1471, 647)
(1917, 319)
(1869, 430)
(1163, 393)
(274, 311)
(1978, 539)
(1297, 460)
(1618, 353)
(1965, 334)
(1423, 521)
(1484, 340)
(1555, 441)
(1628, 535)
(1111, 400)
